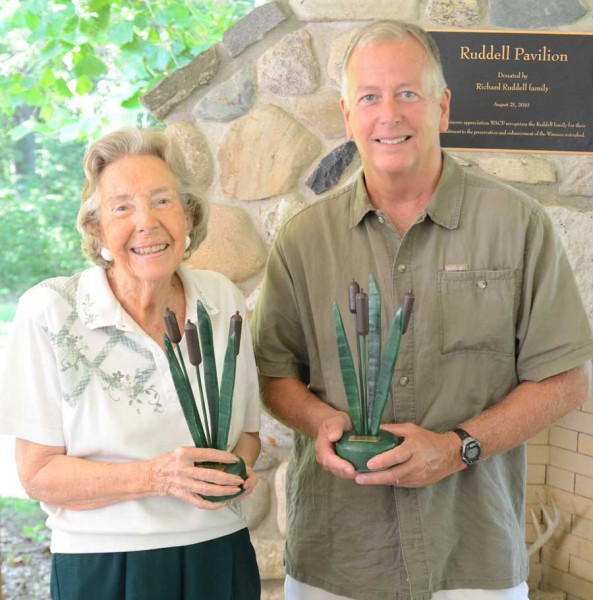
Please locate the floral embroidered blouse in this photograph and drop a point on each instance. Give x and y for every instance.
(80, 373)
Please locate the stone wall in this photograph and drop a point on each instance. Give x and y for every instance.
(256, 115)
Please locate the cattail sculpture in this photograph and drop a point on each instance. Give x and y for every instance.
(368, 391)
(210, 428)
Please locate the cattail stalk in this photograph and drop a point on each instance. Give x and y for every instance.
(362, 330)
(195, 358)
(236, 325)
(174, 334)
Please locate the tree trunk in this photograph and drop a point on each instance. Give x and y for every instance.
(24, 161)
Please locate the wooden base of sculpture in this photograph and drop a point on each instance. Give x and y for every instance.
(359, 449)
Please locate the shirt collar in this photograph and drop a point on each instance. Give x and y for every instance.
(360, 205)
(444, 207)
(98, 307)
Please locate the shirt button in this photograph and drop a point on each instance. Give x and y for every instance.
(380, 219)
(482, 284)
(404, 380)
(401, 268)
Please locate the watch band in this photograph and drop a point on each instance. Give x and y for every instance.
(462, 433)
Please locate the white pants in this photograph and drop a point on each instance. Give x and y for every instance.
(296, 590)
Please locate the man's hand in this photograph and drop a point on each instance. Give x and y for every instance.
(423, 458)
(328, 434)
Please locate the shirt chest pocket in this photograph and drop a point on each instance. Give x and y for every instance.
(477, 311)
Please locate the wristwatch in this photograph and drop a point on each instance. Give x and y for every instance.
(471, 449)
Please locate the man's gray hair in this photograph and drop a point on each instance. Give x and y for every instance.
(132, 141)
(383, 31)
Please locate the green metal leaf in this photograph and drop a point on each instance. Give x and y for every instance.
(348, 372)
(227, 387)
(209, 364)
(388, 360)
(185, 395)
(374, 344)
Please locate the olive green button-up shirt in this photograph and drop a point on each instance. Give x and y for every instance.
(496, 304)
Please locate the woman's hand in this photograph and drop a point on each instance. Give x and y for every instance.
(176, 474)
(249, 484)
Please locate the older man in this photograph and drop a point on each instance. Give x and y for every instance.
(497, 349)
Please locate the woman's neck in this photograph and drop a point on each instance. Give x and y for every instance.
(146, 301)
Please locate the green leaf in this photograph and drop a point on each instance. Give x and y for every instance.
(83, 85)
(121, 33)
(227, 387)
(348, 372)
(185, 395)
(89, 65)
(32, 20)
(47, 78)
(209, 365)
(61, 87)
(388, 360)
(374, 342)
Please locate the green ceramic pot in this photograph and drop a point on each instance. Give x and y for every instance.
(359, 449)
(237, 468)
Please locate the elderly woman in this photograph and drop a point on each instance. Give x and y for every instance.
(101, 437)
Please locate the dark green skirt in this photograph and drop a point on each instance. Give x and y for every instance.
(220, 569)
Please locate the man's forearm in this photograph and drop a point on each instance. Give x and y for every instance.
(530, 408)
(290, 401)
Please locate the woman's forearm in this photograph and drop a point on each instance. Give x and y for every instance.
(50, 476)
(248, 447)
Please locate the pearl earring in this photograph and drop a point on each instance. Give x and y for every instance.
(106, 254)
(187, 242)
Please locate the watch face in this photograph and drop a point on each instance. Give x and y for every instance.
(472, 451)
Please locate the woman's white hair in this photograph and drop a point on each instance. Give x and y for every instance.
(131, 141)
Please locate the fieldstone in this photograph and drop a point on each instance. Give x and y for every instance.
(574, 229)
(535, 14)
(523, 169)
(252, 28)
(259, 504)
(230, 100)
(272, 590)
(289, 68)
(330, 169)
(321, 112)
(265, 461)
(263, 154)
(180, 84)
(272, 432)
(280, 485)
(232, 247)
(270, 554)
(195, 148)
(346, 10)
(458, 13)
(336, 55)
(279, 214)
(578, 180)
(541, 595)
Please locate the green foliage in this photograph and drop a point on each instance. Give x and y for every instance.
(70, 69)
(80, 64)
(29, 516)
(37, 220)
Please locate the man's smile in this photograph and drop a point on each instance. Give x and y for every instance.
(393, 141)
